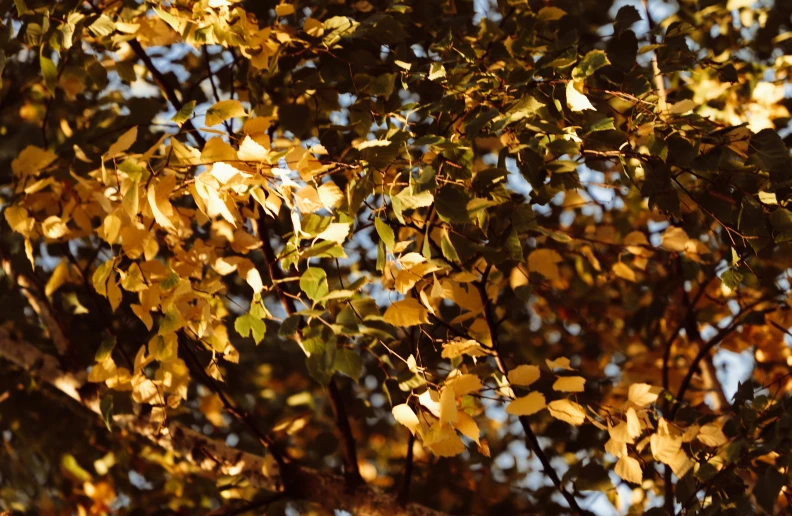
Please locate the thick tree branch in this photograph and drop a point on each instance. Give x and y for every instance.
(706, 348)
(41, 305)
(166, 88)
(209, 457)
(530, 437)
(349, 447)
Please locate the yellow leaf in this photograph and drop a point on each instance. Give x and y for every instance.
(330, 195)
(674, 239)
(633, 423)
(123, 143)
(467, 426)
(448, 410)
(284, 9)
(313, 27)
(569, 384)
(218, 150)
(159, 200)
(407, 312)
(642, 394)
(335, 232)
(405, 415)
(683, 106)
(465, 384)
(524, 375)
(29, 253)
(559, 363)
(458, 348)
(623, 271)
(114, 294)
(32, 159)
(527, 405)
(575, 100)
(567, 411)
(253, 279)
(545, 262)
(58, 278)
(53, 227)
(131, 200)
(224, 110)
(250, 150)
(430, 399)
(550, 13)
(629, 469)
(307, 199)
(712, 435)
(664, 447)
(17, 217)
(443, 441)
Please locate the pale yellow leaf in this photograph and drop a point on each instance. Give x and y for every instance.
(712, 435)
(253, 279)
(216, 149)
(633, 423)
(569, 384)
(251, 150)
(575, 100)
(335, 232)
(567, 411)
(407, 312)
(330, 195)
(430, 399)
(308, 200)
(642, 394)
(527, 405)
(405, 416)
(629, 469)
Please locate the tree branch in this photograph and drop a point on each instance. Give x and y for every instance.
(213, 458)
(530, 437)
(349, 447)
(166, 88)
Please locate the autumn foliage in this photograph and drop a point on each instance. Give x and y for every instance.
(395, 258)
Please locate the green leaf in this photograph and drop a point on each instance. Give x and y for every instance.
(250, 324)
(224, 110)
(314, 283)
(592, 62)
(603, 124)
(105, 348)
(385, 233)
(436, 71)
(451, 204)
(163, 347)
(184, 113)
(106, 407)
(102, 26)
(732, 278)
(766, 490)
(21, 7)
(50, 74)
(349, 363)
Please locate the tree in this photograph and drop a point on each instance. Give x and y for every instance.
(395, 258)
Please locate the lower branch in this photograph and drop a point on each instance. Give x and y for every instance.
(213, 458)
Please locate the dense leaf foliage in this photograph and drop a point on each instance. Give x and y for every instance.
(479, 257)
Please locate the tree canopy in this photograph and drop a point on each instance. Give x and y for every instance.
(395, 257)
